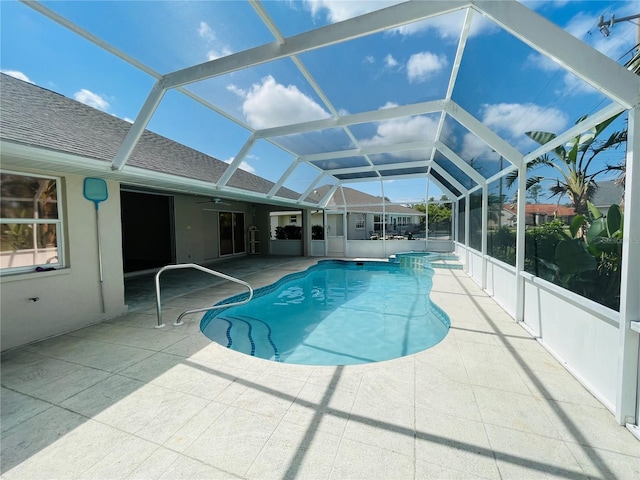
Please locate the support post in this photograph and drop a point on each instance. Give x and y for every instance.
(467, 224)
(483, 247)
(306, 232)
(326, 232)
(627, 381)
(520, 240)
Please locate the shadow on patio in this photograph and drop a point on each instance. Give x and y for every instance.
(123, 400)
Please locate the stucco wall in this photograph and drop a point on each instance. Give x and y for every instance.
(69, 298)
(196, 227)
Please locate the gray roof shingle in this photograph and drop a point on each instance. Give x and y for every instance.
(607, 194)
(358, 201)
(34, 116)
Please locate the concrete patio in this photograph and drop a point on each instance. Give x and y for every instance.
(122, 399)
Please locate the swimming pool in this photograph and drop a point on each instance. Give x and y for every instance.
(335, 313)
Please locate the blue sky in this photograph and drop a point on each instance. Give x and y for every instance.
(502, 82)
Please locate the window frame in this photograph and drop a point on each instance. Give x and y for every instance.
(59, 223)
(360, 221)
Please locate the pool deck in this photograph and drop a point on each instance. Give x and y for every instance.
(122, 399)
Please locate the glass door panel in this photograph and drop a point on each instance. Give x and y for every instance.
(238, 233)
(226, 233)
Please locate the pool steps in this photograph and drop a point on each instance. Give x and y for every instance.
(447, 261)
(245, 334)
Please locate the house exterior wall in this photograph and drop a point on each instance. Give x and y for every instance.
(334, 227)
(352, 232)
(196, 227)
(69, 298)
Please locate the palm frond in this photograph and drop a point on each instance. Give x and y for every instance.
(531, 181)
(542, 138)
(510, 179)
(558, 189)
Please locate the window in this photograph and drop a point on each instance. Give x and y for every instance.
(378, 222)
(293, 219)
(30, 222)
(360, 221)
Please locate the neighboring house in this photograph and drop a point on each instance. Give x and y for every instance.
(365, 218)
(539, 213)
(508, 218)
(607, 194)
(283, 219)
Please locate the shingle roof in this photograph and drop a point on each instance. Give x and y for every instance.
(607, 194)
(34, 116)
(358, 201)
(543, 209)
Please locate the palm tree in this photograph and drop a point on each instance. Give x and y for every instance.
(572, 162)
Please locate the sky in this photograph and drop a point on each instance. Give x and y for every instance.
(502, 82)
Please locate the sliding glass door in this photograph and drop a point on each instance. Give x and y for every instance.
(231, 233)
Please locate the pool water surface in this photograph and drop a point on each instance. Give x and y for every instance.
(335, 313)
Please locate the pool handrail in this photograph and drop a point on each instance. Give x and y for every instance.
(197, 310)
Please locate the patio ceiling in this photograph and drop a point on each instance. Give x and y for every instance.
(437, 127)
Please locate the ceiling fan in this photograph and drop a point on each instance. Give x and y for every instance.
(215, 201)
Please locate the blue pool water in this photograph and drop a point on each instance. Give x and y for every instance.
(335, 313)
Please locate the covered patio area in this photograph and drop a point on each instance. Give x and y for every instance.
(122, 399)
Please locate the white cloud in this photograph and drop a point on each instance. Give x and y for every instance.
(16, 74)
(402, 130)
(511, 121)
(205, 32)
(215, 49)
(243, 165)
(584, 26)
(127, 119)
(423, 65)
(213, 54)
(515, 118)
(369, 59)
(449, 26)
(572, 85)
(541, 62)
(539, 5)
(473, 147)
(270, 104)
(390, 62)
(388, 105)
(92, 99)
(336, 11)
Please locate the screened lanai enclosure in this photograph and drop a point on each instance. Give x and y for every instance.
(484, 128)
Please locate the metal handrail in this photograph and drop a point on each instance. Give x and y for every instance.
(197, 310)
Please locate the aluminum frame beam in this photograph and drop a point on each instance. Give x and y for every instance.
(373, 150)
(599, 71)
(460, 163)
(484, 133)
(380, 20)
